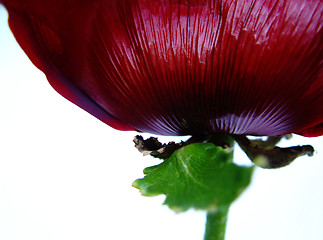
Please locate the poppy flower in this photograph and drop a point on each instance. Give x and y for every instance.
(182, 67)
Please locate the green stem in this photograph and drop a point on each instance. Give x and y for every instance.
(216, 222)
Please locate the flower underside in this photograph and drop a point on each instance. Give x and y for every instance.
(182, 67)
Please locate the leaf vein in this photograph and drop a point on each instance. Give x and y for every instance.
(189, 173)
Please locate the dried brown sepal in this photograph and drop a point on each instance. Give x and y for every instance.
(153, 147)
(266, 154)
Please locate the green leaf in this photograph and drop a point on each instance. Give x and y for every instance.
(199, 175)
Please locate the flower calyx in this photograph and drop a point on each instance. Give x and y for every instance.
(153, 147)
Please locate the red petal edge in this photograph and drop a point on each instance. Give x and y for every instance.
(313, 131)
(40, 43)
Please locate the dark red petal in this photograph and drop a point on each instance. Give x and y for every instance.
(248, 67)
(45, 49)
(313, 131)
(178, 67)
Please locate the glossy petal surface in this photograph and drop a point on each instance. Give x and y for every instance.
(175, 67)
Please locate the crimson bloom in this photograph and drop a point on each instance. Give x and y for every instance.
(182, 67)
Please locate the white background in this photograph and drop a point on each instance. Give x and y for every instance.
(64, 175)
